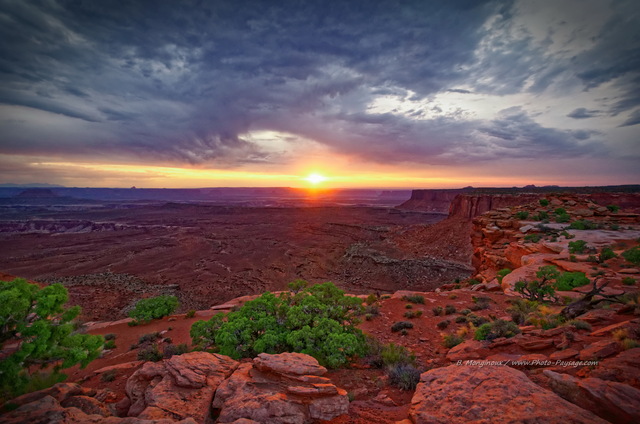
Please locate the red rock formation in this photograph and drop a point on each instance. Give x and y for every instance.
(280, 389)
(495, 394)
(431, 200)
(471, 205)
(613, 401)
(179, 387)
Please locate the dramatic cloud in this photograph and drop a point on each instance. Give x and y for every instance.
(194, 83)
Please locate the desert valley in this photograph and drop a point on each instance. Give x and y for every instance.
(439, 290)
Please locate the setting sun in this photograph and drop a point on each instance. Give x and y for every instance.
(315, 178)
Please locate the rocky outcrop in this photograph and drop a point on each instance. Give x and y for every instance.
(179, 387)
(613, 401)
(471, 205)
(436, 200)
(62, 404)
(464, 394)
(287, 388)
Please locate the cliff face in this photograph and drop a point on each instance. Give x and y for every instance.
(471, 205)
(431, 200)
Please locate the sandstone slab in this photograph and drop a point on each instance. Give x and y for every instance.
(497, 395)
(613, 401)
(599, 350)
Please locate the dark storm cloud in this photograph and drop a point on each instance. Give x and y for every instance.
(183, 81)
(634, 119)
(516, 131)
(583, 113)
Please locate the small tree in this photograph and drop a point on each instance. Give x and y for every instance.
(39, 331)
(538, 290)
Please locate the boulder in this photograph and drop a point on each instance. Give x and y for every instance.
(289, 363)
(470, 349)
(599, 350)
(597, 316)
(562, 355)
(624, 367)
(467, 394)
(86, 404)
(47, 410)
(179, 387)
(533, 343)
(59, 391)
(613, 401)
(287, 388)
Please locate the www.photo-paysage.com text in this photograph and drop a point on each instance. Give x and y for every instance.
(527, 363)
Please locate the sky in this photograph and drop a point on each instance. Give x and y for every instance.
(404, 94)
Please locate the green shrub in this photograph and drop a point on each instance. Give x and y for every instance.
(150, 353)
(577, 246)
(613, 208)
(580, 325)
(607, 253)
(190, 314)
(110, 344)
(108, 376)
(629, 281)
(109, 336)
(476, 320)
(392, 354)
(532, 238)
(401, 325)
(541, 216)
(560, 219)
(408, 306)
(154, 308)
(437, 310)
(172, 350)
(41, 332)
(148, 338)
(465, 311)
(522, 215)
(632, 255)
(372, 310)
(544, 202)
(449, 309)
(570, 280)
(415, 298)
(371, 299)
(560, 211)
(405, 377)
(443, 324)
(498, 328)
(319, 321)
(583, 225)
(614, 227)
(521, 309)
(451, 340)
(480, 303)
(502, 273)
(413, 314)
(461, 319)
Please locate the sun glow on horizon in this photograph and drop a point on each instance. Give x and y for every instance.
(315, 178)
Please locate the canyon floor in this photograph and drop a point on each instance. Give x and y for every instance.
(208, 254)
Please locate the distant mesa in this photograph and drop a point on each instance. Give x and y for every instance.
(37, 193)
